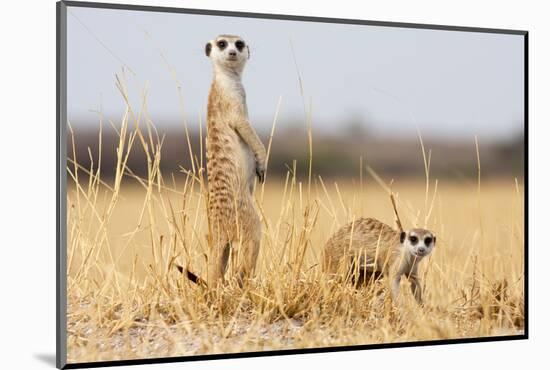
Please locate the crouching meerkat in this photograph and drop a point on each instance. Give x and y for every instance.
(235, 156)
(367, 248)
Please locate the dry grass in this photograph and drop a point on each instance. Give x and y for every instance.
(126, 299)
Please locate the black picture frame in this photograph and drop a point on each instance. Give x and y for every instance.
(61, 184)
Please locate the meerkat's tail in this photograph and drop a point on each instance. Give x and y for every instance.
(191, 275)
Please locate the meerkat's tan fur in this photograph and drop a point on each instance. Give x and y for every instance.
(367, 248)
(235, 156)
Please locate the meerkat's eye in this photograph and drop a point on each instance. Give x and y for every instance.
(413, 239)
(222, 44)
(428, 240)
(239, 45)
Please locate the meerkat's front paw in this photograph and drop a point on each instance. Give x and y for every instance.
(260, 171)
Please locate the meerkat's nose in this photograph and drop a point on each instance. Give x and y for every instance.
(421, 249)
(232, 53)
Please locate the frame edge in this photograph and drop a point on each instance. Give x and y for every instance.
(61, 182)
(290, 17)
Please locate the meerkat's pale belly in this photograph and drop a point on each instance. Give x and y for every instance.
(247, 161)
(230, 145)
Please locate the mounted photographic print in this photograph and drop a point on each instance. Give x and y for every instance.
(238, 184)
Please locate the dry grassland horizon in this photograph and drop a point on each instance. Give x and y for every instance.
(127, 301)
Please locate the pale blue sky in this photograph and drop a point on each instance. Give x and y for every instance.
(448, 83)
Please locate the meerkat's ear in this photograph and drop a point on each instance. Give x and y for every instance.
(403, 236)
(208, 48)
(247, 48)
(433, 241)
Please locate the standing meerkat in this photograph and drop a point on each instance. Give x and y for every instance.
(235, 156)
(367, 248)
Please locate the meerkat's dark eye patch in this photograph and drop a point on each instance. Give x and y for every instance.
(222, 44)
(428, 240)
(413, 239)
(239, 45)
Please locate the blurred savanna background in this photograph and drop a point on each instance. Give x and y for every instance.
(349, 113)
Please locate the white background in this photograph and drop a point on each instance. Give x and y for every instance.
(27, 181)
